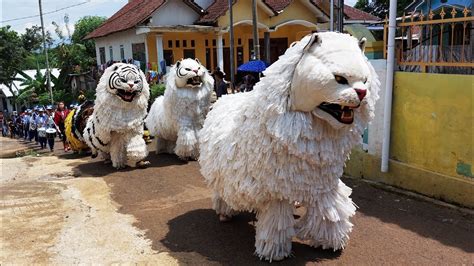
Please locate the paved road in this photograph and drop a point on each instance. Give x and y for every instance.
(171, 203)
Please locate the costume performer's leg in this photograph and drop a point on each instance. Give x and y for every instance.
(164, 146)
(118, 152)
(224, 211)
(274, 230)
(187, 145)
(326, 222)
(136, 149)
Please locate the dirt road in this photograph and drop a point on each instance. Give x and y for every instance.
(65, 209)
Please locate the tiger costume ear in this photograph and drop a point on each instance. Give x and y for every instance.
(197, 60)
(116, 67)
(314, 39)
(178, 63)
(362, 43)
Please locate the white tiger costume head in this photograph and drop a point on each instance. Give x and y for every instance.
(189, 73)
(125, 81)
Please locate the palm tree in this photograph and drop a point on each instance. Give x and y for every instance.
(34, 86)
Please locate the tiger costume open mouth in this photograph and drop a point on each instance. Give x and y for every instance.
(194, 81)
(343, 114)
(126, 96)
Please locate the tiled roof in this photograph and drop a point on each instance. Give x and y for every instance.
(137, 11)
(356, 14)
(129, 16)
(350, 12)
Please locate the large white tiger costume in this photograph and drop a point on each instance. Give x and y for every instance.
(176, 117)
(115, 128)
(286, 141)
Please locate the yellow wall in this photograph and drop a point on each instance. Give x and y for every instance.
(432, 122)
(431, 150)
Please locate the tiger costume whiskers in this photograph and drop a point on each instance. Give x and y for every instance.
(115, 128)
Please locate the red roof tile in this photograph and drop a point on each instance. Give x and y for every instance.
(129, 16)
(137, 11)
(350, 12)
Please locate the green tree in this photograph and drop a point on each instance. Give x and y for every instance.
(84, 26)
(36, 85)
(12, 55)
(32, 39)
(380, 8)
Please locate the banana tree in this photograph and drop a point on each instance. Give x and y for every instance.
(32, 86)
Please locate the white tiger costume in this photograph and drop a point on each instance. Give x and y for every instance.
(115, 128)
(176, 118)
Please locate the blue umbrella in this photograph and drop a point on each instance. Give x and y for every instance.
(253, 66)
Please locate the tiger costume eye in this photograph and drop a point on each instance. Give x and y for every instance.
(136, 81)
(188, 69)
(341, 79)
(123, 80)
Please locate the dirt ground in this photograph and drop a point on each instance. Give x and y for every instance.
(66, 209)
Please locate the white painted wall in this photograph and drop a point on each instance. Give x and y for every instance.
(204, 3)
(376, 127)
(125, 38)
(174, 12)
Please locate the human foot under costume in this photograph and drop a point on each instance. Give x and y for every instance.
(115, 128)
(287, 140)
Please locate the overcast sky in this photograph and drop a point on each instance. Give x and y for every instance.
(12, 9)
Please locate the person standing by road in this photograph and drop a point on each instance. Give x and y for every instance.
(59, 118)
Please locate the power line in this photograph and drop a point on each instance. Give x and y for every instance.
(46, 13)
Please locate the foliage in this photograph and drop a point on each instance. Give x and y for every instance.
(84, 26)
(37, 85)
(156, 90)
(380, 8)
(12, 54)
(32, 39)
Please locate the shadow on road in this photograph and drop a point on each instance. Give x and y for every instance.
(426, 219)
(98, 168)
(229, 243)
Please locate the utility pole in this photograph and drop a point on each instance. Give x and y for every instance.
(331, 16)
(231, 46)
(48, 74)
(256, 41)
(340, 16)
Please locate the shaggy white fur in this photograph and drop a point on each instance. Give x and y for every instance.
(176, 118)
(115, 128)
(287, 141)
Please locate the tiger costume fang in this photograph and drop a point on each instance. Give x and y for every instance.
(115, 128)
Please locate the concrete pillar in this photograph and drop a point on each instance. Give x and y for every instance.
(159, 52)
(220, 52)
(146, 52)
(266, 39)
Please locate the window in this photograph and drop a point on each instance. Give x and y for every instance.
(122, 52)
(170, 44)
(192, 43)
(168, 54)
(185, 43)
(102, 55)
(111, 53)
(214, 42)
(223, 42)
(177, 43)
(207, 43)
(138, 53)
(239, 41)
(208, 58)
(189, 53)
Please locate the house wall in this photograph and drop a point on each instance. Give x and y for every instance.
(125, 38)
(242, 32)
(431, 149)
(174, 12)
